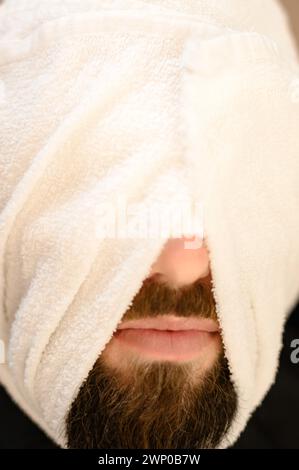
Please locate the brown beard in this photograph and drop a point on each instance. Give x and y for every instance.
(157, 405)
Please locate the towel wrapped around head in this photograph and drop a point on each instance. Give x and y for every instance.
(142, 102)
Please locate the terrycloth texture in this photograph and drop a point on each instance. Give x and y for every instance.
(143, 101)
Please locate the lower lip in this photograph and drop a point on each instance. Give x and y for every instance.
(179, 345)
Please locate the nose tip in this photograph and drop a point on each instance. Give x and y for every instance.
(181, 262)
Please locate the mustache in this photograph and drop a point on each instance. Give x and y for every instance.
(158, 298)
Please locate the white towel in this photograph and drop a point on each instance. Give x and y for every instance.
(145, 101)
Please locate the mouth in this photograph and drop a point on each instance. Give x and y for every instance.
(169, 337)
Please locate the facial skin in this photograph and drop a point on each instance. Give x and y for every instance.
(160, 389)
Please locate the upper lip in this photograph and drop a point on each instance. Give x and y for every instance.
(171, 323)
